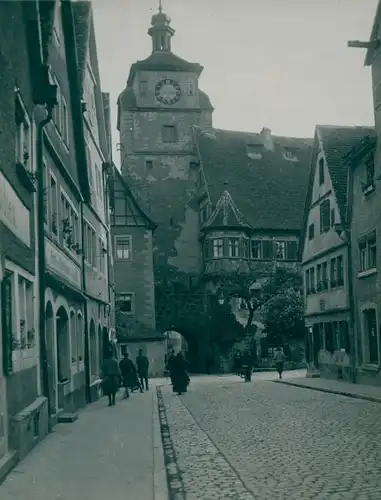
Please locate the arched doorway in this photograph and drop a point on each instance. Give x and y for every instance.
(100, 348)
(51, 357)
(63, 351)
(93, 351)
(178, 339)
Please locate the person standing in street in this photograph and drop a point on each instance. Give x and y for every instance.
(110, 377)
(170, 364)
(129, 375)
(142, 365)
(279, 359)
(180, 378)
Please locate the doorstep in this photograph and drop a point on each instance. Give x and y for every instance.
(7, 462)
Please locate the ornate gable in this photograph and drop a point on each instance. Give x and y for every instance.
(226, 214)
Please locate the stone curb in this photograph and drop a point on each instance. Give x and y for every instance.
(373, 399)
(160, 487)
(175, 484)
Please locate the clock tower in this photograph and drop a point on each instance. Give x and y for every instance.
(157, 110)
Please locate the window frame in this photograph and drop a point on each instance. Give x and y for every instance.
(123, 238)
(51, 175)
(22, 123)
(217, 247)
(325, 205)
(74, 222)
(166, 138)
(64, 128)
(259, 243)
(311, 231)
(132, 302)
(230, 247)
(321, 167)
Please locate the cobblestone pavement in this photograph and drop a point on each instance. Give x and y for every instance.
(267, 441)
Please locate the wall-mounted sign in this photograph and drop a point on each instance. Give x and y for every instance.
(59, 263)
(13, 213)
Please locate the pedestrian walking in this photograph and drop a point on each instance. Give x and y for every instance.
(170, 364)
(142, 365)
(129, 375)
(110, 377)
(279, 359)
(180, 378)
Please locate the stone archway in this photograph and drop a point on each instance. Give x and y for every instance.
(51, 356)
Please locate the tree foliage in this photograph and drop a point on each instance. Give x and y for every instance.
(284, 316)
(272, 282)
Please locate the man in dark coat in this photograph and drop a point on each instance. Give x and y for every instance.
(170, 363)
(110, 377)
(180, 378)
(129, 376)
(142, 365)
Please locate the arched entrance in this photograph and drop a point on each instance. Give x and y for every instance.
(63, 351)
(93, 351)
(51, 357)
(178, 339)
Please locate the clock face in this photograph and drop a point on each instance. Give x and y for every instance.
(168, 91)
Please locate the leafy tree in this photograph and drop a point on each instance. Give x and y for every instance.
(273, 282)
(284, 316)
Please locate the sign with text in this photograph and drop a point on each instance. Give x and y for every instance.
(13, 213)
(58, 262)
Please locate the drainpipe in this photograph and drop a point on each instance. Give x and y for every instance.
(86, 315)
(41, 250)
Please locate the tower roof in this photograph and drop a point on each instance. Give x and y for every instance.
(226, 214)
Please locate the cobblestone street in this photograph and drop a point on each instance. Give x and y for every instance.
(264, 441)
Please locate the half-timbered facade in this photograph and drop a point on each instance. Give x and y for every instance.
(131, 231)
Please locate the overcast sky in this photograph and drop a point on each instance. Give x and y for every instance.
(283, 64)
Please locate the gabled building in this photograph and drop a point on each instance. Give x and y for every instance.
(365, 240)
(324, 251)
(22, 87)
(220, 198)
(132, 232)
(66, 187)
(95, 222)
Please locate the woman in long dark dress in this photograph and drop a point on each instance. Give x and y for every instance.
(180, 378)
(110, 378)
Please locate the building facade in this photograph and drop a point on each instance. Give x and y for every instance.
(184, 172)
(132, 232)
(365, 218)
(95, 215)
(21, 399)
(325, 258)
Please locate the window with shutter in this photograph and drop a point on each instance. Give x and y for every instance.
(325, 216)
(311, 231)
(267, 249)
(291, 250)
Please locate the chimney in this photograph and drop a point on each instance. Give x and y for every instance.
(267, 139)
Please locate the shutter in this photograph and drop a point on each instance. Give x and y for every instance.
(268, 249)
(291, 250)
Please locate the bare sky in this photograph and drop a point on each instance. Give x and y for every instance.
(283, 64)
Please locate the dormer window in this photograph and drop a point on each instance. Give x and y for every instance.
(255, 151)
(290, 154)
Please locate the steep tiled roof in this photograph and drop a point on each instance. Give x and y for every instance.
(226, 214)
(270, 191)
(337, 142)
(163, 61)
(82, 23)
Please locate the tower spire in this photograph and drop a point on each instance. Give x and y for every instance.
(161, 31)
